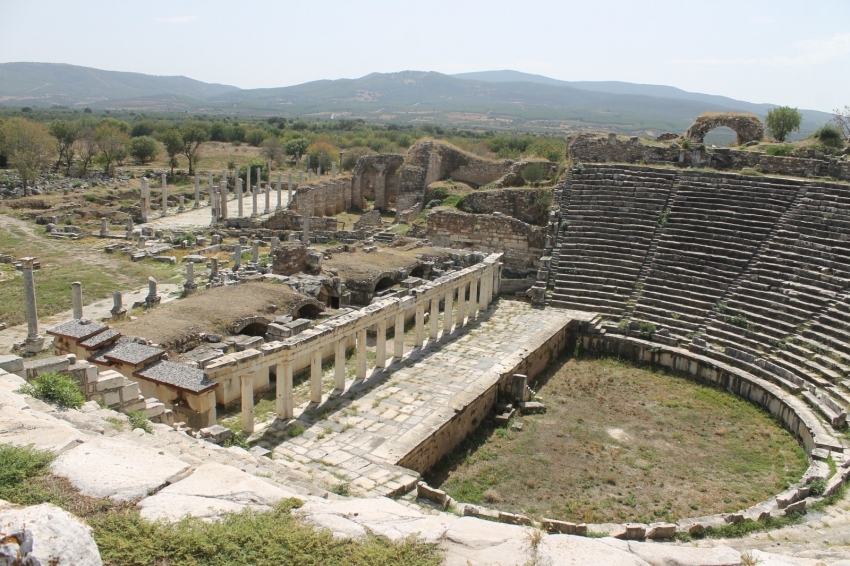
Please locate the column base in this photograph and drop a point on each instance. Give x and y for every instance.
(34, 345)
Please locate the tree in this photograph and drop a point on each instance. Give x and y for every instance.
(28, 146)
(66, 135)
(255, 137)
(173, 142)
(842, 120)
(143, 149)
(296, 148)
(783, 120)
(112, 143)
(322, 153)
(194, 134)
(272, 150)
(86, 144)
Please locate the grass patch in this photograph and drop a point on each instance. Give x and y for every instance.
(55, 387)
(139, 419)
(629, 444)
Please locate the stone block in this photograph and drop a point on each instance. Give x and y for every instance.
(532, 407)
(661, 531)
(12, 364)
(216, 434)
(513, 518)
(109, 380)
(424, 491)
(131, 391)
(45, 365)
(555, 526)
(633, 531)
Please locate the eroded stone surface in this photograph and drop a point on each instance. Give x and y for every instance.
(58, 536)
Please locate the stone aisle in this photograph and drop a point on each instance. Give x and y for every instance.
(359, 435)
(200, 217)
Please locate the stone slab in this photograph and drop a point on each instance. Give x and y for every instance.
(120, 470)
(475, 542)
(210, 491)
(568, 550)
(22, 427)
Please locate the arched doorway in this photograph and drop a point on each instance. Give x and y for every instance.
(255, 329)
(309, 310)
(384, 283)
(747, 127)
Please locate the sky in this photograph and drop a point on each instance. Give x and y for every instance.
(794, 53)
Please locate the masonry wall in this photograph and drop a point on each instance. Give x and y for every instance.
(528, 205)
(291, 221)
(325, 198)
(522, 243)
(590, 148)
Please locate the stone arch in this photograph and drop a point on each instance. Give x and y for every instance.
(307, 308)
(747, 126)
(376, 177)
(384, 283)
(250, 325)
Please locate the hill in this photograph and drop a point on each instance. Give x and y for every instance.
(501, 100)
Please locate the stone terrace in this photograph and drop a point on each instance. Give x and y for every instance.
(361, 434)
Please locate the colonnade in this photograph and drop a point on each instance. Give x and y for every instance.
(480, 280)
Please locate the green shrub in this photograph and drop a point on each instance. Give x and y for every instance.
(830, 136)
(55, 387)
(779, 150)
(454, 200)
(17, 464)
(533, 172)
(817, 487)
(647, 329)
(440, 193)
(139, 419)
(342, 488)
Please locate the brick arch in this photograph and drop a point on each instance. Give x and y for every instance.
(747, 126)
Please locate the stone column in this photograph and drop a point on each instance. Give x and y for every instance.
(319, 171)
(316, 376)
(273, 243)
(153, 296)
(305, 237)
(197, 190)
(380, 187)
(146, 199)
(339, 365)
(239, 196)
(210, 182)
(164, 196)
(333, 170)
(213, 268)
(284, 398)
(460, 315)
(237, 257)
(255, 251)
(213, 208)
(222, 200)
(289, 192)
(254, 199)
(485, 289)
(381, 346)
(268, 202)
(248, 402)
(130, 228)
(104, 229)
(190, 284)
(77, 299)
(434, 323)
(300, 178)
(361, 354)
(278, 207)
(447, 311)
(398, 340)
(248, 178)
(473, 298)
(117, 304)
(182, 206)
(420, 324)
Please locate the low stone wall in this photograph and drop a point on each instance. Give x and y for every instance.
(522, 244)
(471, 407)
(292, 221)
(590, 148)
(324, 198)
(791, 411)
(529, 205)
(289, 258)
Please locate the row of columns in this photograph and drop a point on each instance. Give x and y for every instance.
(481, 293)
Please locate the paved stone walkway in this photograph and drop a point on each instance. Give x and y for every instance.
(200, 217)
(360, 434)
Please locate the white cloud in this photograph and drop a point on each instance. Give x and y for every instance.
(177, 19)
(809, 53)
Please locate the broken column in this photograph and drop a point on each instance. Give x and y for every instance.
(273, 243)
(278, 207)
(247, 402)
(190, 284)
(289, 192)
(153, 298)
(104, 229)
(333, 170)
(237, 257)
(182, 206)
(197, 189)
(255, 251)
(268, 204)
(34, 341)
(254, 192)
(222, 199)
(164, 196)
(213, 208)
(210, 187)
(77, 300)
(305, 227)
(117, 304)
(130, 228)
(213, 268)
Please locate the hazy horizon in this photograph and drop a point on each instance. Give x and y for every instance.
(260, 45)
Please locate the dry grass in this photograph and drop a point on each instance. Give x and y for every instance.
(621, 443)
(359, 265)
(211, 311)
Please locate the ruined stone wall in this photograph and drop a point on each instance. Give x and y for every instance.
(522, 243)
(289, 258)
(289, 221)
(591, 148)
(747, 126)
(529, 205)
(326, 198)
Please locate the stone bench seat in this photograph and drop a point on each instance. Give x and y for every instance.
(835, 418)
(704, 256)
(602, 292)
(700, 285)
(757, 341)
(830, 327)
(827, 340)
(798, 370)
(624, 252)
(771, 326)
(681, 272)
(717, 332)
(767, 309)
(677, 327)
(682, 295)
(809, 365)
(704, 241)
(754, 369)
(620, 266)
(664, 310)
(771, 300)
(565, 302)
(745, 218)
